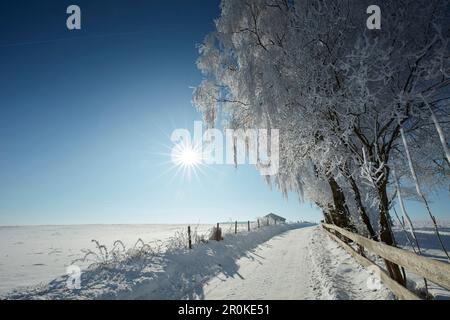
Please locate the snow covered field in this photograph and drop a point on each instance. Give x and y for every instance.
(35, 254)
(430, 248)
(175, 273)
(297, 261)
(427, 239)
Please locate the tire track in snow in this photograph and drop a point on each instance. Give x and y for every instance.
(298, 264)
(278, 269)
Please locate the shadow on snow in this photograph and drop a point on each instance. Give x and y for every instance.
(175, 274)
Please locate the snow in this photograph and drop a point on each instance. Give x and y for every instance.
(299, 264)
(405, 215)
(293, 261)
(171, 273)
(430, 248)
(441, 135)
(33, 254)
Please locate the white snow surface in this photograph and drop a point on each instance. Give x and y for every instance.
(430, 247)
(296, 261)
(30, 255)
(296, 265)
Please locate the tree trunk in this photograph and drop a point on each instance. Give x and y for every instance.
(361, 210)
(340, 214)
(386, 234)
(327, 216)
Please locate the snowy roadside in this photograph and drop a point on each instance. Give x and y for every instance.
(299, 264)
(30, 255)
(295, 261)
(337, 276)
(430, 248)
(172, 274)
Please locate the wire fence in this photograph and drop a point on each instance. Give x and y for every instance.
(222, 229)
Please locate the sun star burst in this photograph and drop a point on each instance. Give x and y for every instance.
(187, 158)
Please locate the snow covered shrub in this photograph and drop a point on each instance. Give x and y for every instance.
(264, 221)
(104, 258)
(216, 234)
(180, 240)
(100, 257)
(199, 238)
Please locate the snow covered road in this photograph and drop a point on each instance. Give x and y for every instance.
(281, 269)
(298, 264)
(296, 261)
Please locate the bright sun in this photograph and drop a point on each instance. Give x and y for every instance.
(187, 158)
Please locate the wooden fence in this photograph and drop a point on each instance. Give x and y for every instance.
(433, 270)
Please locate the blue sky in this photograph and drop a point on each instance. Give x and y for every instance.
(86, 118)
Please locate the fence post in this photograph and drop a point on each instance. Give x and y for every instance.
(189, 235)
(217, 232)
(258, 223)
(235, 227)
(249, 226)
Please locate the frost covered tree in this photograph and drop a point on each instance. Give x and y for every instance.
(404, 79)
(345, 98)
(258, 77)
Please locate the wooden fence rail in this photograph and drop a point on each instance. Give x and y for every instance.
(433, 270)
